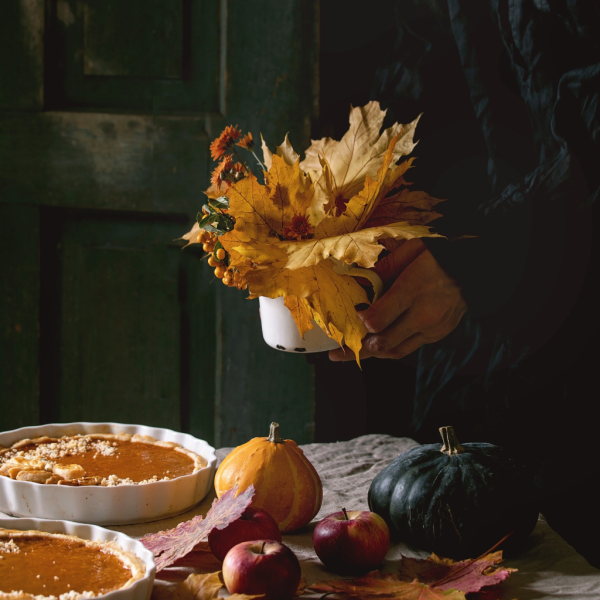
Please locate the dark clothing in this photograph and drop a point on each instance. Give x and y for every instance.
(510, 91)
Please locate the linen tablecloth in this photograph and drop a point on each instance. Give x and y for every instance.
(547, 568)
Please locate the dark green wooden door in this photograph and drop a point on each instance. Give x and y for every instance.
(107, 110)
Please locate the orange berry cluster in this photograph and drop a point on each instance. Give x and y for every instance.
(228, 275)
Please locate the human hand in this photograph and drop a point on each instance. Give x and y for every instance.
(423, 305)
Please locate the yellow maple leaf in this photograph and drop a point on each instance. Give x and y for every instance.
(199, 587)
(358, 247)
(330, 297)
(416, 207)
(300, 312)
(359, 153)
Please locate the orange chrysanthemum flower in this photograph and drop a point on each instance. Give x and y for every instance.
(239, 168)
(225, 141)
(225, 165)
(298, 229)
(247, 142)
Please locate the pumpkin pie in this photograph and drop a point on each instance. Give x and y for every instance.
(35, 565)
(104, 459)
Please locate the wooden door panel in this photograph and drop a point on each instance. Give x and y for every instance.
(128, 39)
(22, 52)
(103, 161)
(117, 333)
(119, 353)
(19, 315)
(106, 116)
(139, 55)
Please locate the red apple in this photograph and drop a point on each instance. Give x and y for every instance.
(262, 567)
(254, 524)
(351, 541)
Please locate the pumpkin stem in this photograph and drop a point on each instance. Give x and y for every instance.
(274, 434)
(451, 445)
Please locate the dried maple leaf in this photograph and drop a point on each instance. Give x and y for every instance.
(199, 587)
(416, 207)
(300, 312)
(360, 247)
(378, 585)
(466, 575)
(284, 151)
(359, 153)
(330, 297)
(201, 559)
(173, 544)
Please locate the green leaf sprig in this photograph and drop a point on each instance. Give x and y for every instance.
(213, 218)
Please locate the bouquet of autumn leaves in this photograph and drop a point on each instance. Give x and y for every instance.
(312, 222)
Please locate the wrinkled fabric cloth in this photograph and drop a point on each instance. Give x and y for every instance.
(547, 566)
(510, 91)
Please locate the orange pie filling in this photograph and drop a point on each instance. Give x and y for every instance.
(35, 564)
(97, 459)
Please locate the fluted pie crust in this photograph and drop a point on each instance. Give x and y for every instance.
(98, 459)
(37, 565)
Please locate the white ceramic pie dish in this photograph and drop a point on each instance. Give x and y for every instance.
(139, 590)
(120, 505)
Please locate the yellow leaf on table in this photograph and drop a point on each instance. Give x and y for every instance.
(199, 587)
(378, 585)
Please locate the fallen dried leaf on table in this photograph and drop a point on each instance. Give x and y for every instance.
(378, 585)
(301, 587)
(466, 575)
(202, 560)
(173, 544)
(199, 587)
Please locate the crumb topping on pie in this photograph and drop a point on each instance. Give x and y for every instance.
(36, 565)
(97, 459)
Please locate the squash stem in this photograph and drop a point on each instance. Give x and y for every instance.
(274, 434)
(451, 445)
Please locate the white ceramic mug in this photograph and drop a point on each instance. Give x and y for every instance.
(280, 330)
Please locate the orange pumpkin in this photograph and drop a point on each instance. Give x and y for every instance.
(287, 485)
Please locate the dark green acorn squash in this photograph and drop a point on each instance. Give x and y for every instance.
(457, 501)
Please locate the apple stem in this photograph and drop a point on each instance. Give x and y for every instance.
(262, 548)
(274, 434)
(345, 514)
